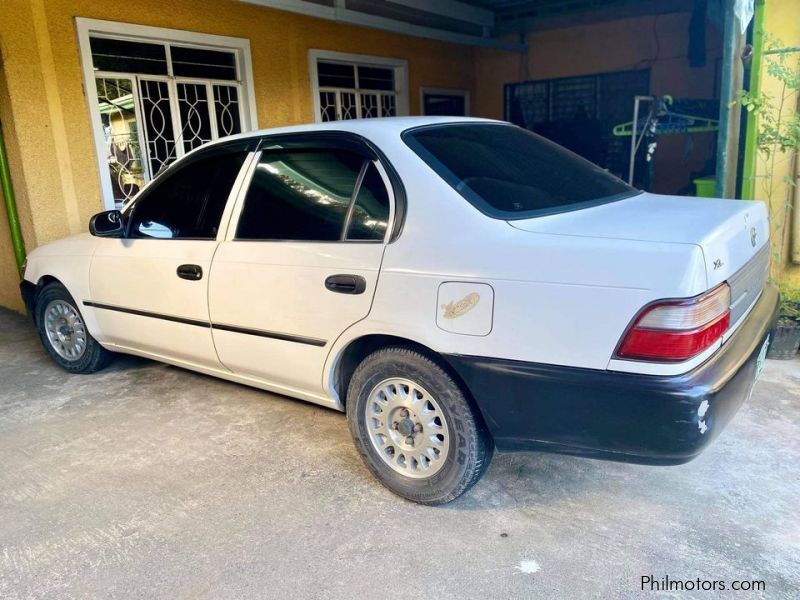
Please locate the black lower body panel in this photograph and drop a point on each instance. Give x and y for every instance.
(628, 417)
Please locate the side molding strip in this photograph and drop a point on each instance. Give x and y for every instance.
(144, 313)
(287, 337)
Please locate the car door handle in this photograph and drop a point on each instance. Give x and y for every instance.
(190, 272)
(346, 284)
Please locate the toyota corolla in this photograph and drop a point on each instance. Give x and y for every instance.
(453, 285)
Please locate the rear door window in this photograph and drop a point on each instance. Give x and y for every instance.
(369, 217)
(510, 173)
(314, 195)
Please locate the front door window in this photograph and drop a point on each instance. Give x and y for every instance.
(187, 203)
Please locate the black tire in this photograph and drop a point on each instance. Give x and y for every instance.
(470, 446)
(93, 358)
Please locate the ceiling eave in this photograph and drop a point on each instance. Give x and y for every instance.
(339, 13)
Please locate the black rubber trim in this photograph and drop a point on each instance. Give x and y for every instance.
(144, 313)
(287, 337)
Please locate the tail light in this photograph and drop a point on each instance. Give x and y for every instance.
(676, 330)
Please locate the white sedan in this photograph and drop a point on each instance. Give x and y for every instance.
(454, 285)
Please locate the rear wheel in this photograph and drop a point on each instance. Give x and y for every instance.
(414, 427)
(63, 332)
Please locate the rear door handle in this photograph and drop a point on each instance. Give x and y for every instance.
(346, 284)
(190, 272)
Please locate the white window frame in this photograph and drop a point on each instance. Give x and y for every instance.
(94, 27)
(444, 92)
(399, 66)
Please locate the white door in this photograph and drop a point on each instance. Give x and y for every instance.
(150, 289)
(301, 264)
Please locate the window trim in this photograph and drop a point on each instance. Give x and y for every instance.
(391, 180)
(444, 92)
(400, 67)
(87, 28)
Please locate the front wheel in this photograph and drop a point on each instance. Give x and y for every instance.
(64, 334)
(414, 427)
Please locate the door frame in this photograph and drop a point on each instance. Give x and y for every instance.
(444, 92)
(85, 28)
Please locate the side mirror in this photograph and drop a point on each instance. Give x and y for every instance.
(109, 223)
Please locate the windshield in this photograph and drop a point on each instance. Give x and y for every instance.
(510, 173)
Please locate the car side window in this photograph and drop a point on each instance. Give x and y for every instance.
(187, 204)
(370, 216)
(300, 195)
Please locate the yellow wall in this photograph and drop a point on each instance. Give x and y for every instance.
(55, 168)
(49, 139)
(656, 42)
(9, 292)
(781, 22)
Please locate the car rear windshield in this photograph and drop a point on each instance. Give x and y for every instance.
(510, 173)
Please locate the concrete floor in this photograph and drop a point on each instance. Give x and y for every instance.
(148, 481)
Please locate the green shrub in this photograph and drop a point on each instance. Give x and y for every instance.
(790, 303)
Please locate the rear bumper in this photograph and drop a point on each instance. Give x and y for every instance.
(619, 416)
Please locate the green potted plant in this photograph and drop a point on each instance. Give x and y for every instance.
(778, 141)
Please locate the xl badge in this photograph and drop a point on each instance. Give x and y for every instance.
(453, 310)
(753, 236)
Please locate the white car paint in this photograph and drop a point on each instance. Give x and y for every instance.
(564, 287)
(721, 228)
(139, 274)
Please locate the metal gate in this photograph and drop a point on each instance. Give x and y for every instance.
(580, 112)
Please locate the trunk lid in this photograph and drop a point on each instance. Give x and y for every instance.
(731, 233)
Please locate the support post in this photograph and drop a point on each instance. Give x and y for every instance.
(728, 135)
(751, 133)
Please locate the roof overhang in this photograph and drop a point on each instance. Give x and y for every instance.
(444, 20)
(498, 24)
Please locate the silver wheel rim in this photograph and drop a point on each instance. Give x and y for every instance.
(407, 428)
(65, 330)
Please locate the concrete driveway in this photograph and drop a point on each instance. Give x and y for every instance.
(148, 481)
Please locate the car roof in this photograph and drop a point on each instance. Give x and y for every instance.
(364, 127)
(369, 128)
